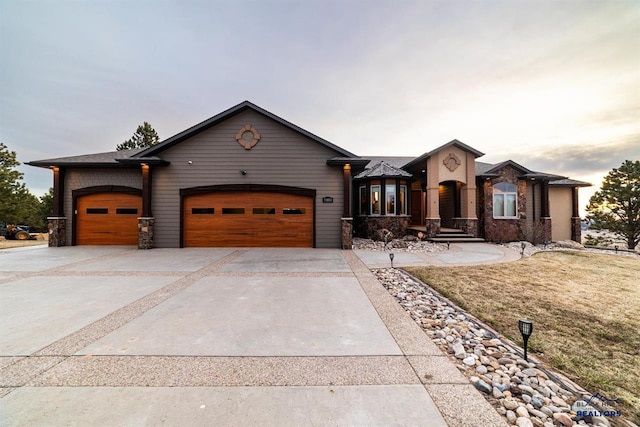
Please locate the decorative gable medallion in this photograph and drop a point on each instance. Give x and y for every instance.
(248, 137)
(452, 162)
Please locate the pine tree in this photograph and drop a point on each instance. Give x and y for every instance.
(145, 136)
(616, 206)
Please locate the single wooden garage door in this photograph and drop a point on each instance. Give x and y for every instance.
(108, 219)
(248, 219)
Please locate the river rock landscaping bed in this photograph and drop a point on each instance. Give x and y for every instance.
(408, 244)
(523, 392)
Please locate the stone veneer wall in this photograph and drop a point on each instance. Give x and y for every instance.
(347, 233)
(145, 232)
(505, 230)
(368, 226)
(468, 225)
(576, 229)
(57, 231)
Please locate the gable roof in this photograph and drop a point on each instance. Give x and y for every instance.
(452, 143)
(243, 106)
(491, 171)
(382, 169)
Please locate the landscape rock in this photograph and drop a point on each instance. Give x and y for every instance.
(524, 422)
(563, 419)
(522, 411)
(518, 389)
(483, 386)
(510, 403)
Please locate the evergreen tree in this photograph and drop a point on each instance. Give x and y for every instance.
(145, 136)
(13, 193)
(616, 206)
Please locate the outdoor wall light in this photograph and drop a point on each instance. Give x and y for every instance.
(526, 329)
(243, 171)
(391, 258)
(190, 162)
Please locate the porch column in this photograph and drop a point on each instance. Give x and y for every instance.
(346, 178)
(347, 220)
(576, 229)
(469, 220)
(432, 220)
(146, 222)
(545, 216)
(57, 222)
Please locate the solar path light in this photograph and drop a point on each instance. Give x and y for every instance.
(523, 245)
(526, 329)
(391, 258)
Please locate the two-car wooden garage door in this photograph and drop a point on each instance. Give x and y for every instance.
(250, 219)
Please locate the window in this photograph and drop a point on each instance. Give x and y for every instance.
(97, 211)
(202, 211)
(375, 200)
(505, 199)
(232, 211)
(363, 200)
(126, 211)
(294, 211)
(390, 195)
(264, 211)
(403, 200)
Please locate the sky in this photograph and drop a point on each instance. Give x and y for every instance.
(552, 85)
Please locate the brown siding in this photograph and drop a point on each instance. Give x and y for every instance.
(281, 157)
(76, 179)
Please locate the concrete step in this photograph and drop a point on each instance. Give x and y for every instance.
(470, 239)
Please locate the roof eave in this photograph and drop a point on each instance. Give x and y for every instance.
(342, 161)
(155, 161)
(87, 165)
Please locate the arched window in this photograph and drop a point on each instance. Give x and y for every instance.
(505, 200)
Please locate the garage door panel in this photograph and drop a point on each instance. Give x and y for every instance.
(267, 220)
(108, 219)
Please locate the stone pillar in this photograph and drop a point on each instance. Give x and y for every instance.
(468, 225)
(432, 226)
(546, 229)
(576, 229)
(57, 231)
(145, 232)
(347, 233)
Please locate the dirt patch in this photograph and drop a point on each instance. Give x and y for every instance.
(584, 309)
(41, 239)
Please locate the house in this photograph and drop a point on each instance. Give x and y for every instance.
(247, 177)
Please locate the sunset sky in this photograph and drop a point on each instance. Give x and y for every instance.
(552, 85)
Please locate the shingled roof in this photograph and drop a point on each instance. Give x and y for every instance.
(108, 159)
(383, 169)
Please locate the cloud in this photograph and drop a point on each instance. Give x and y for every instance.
(588, 160)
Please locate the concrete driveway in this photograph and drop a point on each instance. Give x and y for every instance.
(118, 336)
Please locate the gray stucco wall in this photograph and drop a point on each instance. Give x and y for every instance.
(83, 178)
(281, 157)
